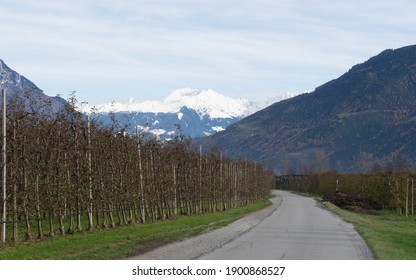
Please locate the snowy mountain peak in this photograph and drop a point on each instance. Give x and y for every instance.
(178, 95)
(209, 102)
(196, 113)
(206, 103)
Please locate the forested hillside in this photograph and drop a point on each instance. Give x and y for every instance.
(363, 119)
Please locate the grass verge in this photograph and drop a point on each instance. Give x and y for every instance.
(122, 242)
(389, 236)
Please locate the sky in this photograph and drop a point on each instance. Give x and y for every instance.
(115, 50)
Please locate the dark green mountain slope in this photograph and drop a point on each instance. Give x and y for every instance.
(366, 116)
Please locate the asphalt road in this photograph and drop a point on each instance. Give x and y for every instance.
(294, 228)
(300, 229)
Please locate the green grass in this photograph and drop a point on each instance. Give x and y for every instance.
(389, 236)
(125, 241)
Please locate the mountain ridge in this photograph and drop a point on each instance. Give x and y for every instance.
(364, 117)
(190, 112)
(15, 84)
(205, 102)
(187, 112)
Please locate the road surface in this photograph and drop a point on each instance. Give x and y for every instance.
(300, 229)
(294, 228)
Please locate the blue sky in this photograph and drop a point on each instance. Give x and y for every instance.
(112, 50)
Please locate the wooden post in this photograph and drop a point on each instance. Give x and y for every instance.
(221, 183)
(413, 191)
(200, 178)
(175, 203)
(407, 197)
(142, 207)
(399, 202)
(3, 219)
(90, 198)
(235, 184)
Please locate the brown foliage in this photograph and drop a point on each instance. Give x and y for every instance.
(61, 166)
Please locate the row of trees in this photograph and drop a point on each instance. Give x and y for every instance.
(392, 190)
(63, 167)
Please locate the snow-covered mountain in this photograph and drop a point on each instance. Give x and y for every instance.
(205, 103)
(190, 112)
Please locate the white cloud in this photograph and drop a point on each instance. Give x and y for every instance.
(232, 46)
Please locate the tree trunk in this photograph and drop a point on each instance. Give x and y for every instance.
(413, 191)
(200, 179)
(142, 198)
(97, 216)
(110, 213)
(90, 198)
(61, 223)
(38, 214)
(15, 233)
(407, 197)
(79, 225)
(51, 230)
(175, 201)
(71, 221)
(4, 152)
